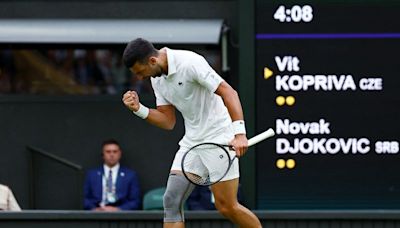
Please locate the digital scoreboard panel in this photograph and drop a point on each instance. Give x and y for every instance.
(328, 81)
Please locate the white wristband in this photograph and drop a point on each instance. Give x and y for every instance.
(143, 112)
(239, 127)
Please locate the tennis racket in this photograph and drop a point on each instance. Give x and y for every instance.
(207, 163)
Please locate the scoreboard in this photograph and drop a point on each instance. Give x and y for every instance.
(328, 80)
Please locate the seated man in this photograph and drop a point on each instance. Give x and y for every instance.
(7, 199)
(111, 187)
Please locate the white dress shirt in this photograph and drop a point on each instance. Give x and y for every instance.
(114, 171)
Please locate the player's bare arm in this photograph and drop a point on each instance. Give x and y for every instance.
(162, 117)
(232, 102)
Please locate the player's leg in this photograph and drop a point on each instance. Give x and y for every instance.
(225, 194)
(225, 191)
(178, 190)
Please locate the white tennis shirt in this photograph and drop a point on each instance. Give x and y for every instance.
(190, 86)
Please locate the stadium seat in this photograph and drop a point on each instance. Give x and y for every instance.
(153, 199)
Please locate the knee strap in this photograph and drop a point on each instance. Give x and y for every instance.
(178, 190)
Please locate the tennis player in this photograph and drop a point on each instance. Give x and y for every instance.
(211, 110)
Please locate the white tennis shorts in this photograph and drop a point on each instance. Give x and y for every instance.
(209, 159)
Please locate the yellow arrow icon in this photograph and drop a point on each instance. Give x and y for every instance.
(267, 73)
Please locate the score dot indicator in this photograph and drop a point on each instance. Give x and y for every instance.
(290, 163)
(288, 11)
(280, 163)
(288, 19)
(280, 100)
(290, 100)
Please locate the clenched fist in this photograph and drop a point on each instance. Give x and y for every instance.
(131, 100)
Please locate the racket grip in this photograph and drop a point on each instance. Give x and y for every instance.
(260, 137)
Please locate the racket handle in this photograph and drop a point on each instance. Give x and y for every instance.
(260, 137)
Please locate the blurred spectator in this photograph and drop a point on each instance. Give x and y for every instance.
(120, 74)
(94, 71)
(7, 199)
(7, 72)
(202, 199)
(81, 70)
(111, 187)
(104, 62)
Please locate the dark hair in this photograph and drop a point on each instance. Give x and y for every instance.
(138, 50)
(109, 141)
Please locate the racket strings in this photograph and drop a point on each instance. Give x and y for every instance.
(195, 168)
(206, 164)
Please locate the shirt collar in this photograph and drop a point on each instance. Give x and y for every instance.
(171, 62)
(114, 169)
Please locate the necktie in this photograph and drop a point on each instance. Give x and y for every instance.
(109, 182)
